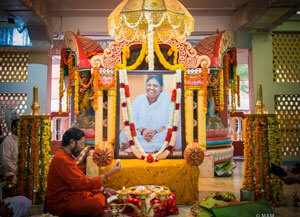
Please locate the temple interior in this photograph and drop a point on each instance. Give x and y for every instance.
(198, 101)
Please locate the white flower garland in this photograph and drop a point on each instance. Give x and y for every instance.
(135, 145)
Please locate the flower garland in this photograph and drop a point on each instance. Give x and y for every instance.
(22, 138)
(28, 151)
(45, 141)
(221, 89)
(96, 76)
(214, 81)
(33, 154)
(150, 36)
(238, 91)
(267, 149)
(164, 62)
(174, 50)
(76, 106)
(86, 86)
(232, 99)
(265, 160)
(275, 154)
(226, 68)
(130, 127)
(34, 136)
(205, 79)
(258, 138)
(71, 71)
(248, 161)
(61, 87)
(216, 90)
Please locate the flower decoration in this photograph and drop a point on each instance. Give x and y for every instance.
(194, 155)
(149, 158)
(130, 130)
(103, 157)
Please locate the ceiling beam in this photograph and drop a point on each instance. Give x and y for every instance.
(40, 36)
(263, 14)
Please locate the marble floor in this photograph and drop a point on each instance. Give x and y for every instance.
(232, 184)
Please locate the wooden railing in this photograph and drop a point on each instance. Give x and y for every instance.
(59, 124)
(236, 124)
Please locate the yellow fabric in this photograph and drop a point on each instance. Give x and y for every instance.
(173, 173)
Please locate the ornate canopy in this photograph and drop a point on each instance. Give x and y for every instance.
(134, 17)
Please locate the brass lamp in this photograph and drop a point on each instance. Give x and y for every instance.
(259, 101)
(35, 101)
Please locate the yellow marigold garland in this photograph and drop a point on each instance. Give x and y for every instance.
(275, 154)
(226, 68)
(174, 50)
(248, 161)
(204, 85)
(238, 91)
(163, 61)
(257, 157)
(46, 138)
(22, 138)
(232, 99)
(61, 88)
(76, 106)
(221, 89)
(96, 76)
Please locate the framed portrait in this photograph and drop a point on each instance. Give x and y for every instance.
(150, 97)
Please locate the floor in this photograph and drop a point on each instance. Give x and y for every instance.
(232, 184)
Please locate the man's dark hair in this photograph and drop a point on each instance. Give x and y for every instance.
(14, 123)
(72, 133)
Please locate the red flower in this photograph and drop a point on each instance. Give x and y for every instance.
(169, 134)
(170, 148)
(127, 93)
(150, 158)
(132, 129)
(173, 99)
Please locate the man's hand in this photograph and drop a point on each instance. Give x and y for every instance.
(115, 168)
(109, 191)
(125, 146)
(148, 135)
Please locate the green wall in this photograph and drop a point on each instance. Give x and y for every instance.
(37, 76)
(263, 71)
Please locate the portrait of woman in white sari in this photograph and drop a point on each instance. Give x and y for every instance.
(151, 116)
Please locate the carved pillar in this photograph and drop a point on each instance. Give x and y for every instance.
(201, 121)
(111, 115)
(99, 120)
(189, 119)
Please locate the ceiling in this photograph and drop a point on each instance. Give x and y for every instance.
(244, 15)
(105, 7)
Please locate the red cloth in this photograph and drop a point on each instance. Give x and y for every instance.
(168, 207)
(69, 192)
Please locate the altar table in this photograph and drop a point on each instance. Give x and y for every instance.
(173, 173)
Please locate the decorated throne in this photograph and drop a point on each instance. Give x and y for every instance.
(112, 75)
